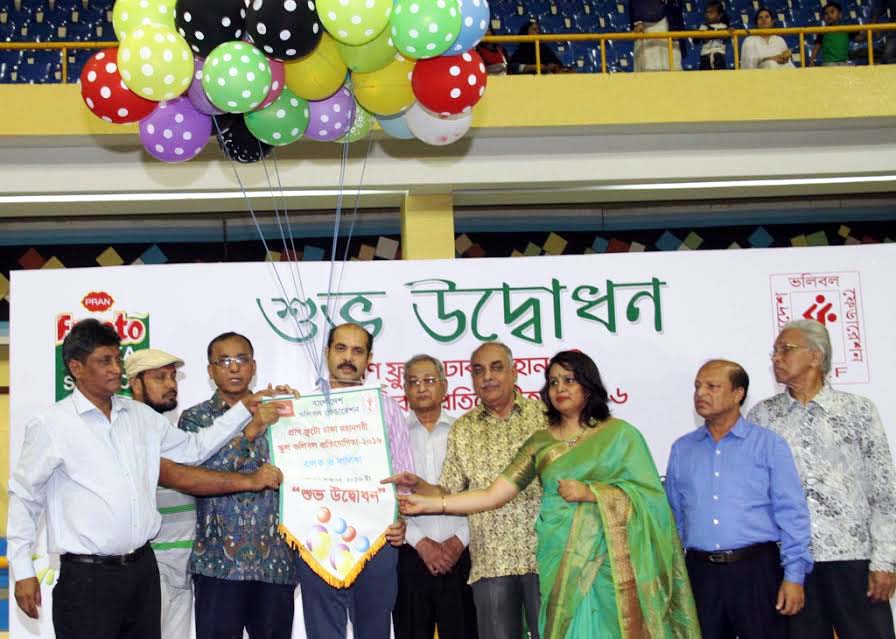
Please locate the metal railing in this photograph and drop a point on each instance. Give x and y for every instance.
(671, 37)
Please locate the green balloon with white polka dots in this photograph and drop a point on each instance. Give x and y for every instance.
(354, 22)
(282, 122)
(128, 15)
(236, 77)
(360, 127)
(155, 62)
(424, 28)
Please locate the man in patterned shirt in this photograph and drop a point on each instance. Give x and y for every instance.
(841, 452)
(244, 574)
(370, 599)
(152, 376)
(502, 542)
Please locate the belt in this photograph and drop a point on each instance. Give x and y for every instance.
(732, 556)
(107, 560)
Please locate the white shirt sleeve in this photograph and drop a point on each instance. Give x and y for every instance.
(414, 533)
(749, 58)
(28, 495)
(194, 448)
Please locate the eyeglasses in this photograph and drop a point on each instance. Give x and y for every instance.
(785, 349)
(227, 361)
(426, 381)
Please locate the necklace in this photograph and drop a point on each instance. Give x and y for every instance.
(572, 441)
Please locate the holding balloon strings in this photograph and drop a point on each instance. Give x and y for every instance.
(276, 71)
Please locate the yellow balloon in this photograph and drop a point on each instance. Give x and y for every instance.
(386, 91)
(319, 74)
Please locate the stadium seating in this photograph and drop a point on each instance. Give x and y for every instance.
(90, 20)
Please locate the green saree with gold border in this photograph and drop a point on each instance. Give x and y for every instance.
(614, 568)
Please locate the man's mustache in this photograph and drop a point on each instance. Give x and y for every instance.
(350, 365)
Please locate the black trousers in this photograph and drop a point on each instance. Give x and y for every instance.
(224, 608)
(426, 600)
(713, 62)
(836, 600)
(92, 601)
(738, 599)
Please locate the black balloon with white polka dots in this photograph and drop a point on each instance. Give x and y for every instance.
(237, 141)
(284, 29)
(205, 24)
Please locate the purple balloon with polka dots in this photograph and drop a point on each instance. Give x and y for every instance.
(331, 118)
(197, 94)
(175, 131)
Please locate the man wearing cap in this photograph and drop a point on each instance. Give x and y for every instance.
(91, 463)
(152, 376)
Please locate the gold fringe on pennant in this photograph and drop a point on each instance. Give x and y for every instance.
(322, 572)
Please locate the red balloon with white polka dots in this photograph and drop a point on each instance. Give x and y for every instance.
(106, 95)
(449, 84)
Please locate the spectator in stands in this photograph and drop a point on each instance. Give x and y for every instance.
(493, 56)
(523, 59)
(765, 51)
(884, 11)
(656, 16)
(834, 47)
(712, 53)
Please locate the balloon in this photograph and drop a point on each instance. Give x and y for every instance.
(362, 544)
(372, 56)
(237, 141)
(318, 542)
(354, 22)
(320, 74)
(395, 126)
(424, 28)
(278, 83)
(281, 123)
(386, 91)
(474, 19)
(236, 77)
(331, 118)
(433, 129)
(284, 29)
(127, 15)
(323, 516)
(197, 94)
(360, 127)
(449, 84)
(205, 24)
(106, 95)
(155, 62)
(176, 131)
(339, 527)
(349, 534)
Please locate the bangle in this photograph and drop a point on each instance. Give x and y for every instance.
(444, 511)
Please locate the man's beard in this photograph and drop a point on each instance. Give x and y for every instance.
(161, 407)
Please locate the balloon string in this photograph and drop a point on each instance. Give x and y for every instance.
(255, 220)
(333, 247)
(292, 261)
(354, 218)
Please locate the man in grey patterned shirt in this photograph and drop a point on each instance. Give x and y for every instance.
(841, 452)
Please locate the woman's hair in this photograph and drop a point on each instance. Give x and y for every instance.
(524, 29)
(585, 372)
(760, 10)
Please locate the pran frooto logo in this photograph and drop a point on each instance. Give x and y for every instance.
(97, 301)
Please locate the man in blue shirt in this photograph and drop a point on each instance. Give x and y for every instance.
(741, 514)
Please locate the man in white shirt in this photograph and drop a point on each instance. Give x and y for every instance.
(434, 566)
(91, 462)
(152, 376)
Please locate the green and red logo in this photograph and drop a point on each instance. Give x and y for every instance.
(132, 328)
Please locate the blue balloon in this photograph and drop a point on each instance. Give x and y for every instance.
(474, 18)
(339, 525)
(395, 126)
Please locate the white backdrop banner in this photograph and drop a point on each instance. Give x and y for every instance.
(649, 320)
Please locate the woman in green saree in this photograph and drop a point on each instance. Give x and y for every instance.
(609, 558)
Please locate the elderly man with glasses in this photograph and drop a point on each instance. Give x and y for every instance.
(434, 566)
(841, 452)
(244, 574)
